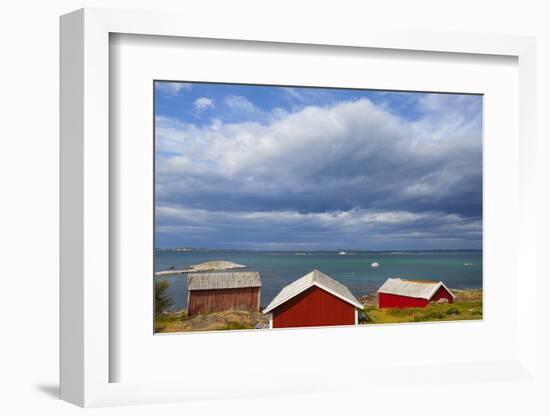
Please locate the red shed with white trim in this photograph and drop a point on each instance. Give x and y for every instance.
(401, 293)
(315, 299)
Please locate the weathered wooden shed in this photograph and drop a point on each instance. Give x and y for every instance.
(221, 291)
(402, 293)
(315, 299)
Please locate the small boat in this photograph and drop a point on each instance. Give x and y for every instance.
(375, 265)
(342, 253)
(468, 264)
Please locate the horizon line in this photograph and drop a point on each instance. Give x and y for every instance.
(184, 248)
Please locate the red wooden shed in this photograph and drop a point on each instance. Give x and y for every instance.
(315, 299)
(221, 291)
(401, 293)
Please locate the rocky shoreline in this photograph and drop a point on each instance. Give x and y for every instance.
(215, 265)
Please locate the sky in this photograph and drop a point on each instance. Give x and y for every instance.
(293, 168)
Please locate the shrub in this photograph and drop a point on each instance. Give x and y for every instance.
(162, 300)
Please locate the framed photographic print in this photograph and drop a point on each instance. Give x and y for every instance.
(260, 196)
(285, 206)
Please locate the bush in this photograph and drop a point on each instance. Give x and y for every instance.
(162, 300)
(452, 311)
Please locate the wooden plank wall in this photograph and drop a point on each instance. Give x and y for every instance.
(207, 301)
(388, 300)
(313, 307)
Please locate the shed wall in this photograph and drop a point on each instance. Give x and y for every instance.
(313, 307)
(207, 301)
(386, 300)
(442, 293)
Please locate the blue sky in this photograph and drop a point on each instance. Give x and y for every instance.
(280, 168)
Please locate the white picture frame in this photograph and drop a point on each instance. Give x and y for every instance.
(86, 355)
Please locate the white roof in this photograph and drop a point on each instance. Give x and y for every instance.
(314, 278)
(422, 289)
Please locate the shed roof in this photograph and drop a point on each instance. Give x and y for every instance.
(222, 280)
(314, 278)
(421, 289)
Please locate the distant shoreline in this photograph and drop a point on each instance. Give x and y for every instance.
(213, 265)
(188, 250)
(278, 269)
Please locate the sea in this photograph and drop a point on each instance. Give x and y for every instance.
(457, 269)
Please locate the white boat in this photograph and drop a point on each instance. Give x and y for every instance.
(342, 253)
(375, 265)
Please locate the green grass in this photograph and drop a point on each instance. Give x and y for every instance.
(165, 320)
(460, 310)
(234, 325)
(467, 306)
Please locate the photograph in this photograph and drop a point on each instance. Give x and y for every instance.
(297, 206)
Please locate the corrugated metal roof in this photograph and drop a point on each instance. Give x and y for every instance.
(314, 278)
(222, 280)
(421, 289)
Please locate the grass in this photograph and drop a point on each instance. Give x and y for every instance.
(166, 320)
(468, 305)
(218, 321)
(234, 325)
(457, 311)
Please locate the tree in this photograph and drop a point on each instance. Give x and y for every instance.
(162, 300)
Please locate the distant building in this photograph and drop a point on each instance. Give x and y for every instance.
(221, 291)
(401, 293)
(315, 299)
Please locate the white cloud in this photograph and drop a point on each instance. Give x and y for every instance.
(294, 93)
(297, 141)
(172, 88)
(239, 103)
(449, 115)
(239, 109)
(350, 168)
(351, 219)
(202, 104)
(279, 113)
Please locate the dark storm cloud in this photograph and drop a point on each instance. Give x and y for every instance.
(295, 178)
(355, 229)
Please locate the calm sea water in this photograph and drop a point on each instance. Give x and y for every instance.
(278, 269)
